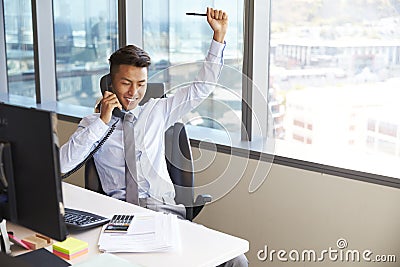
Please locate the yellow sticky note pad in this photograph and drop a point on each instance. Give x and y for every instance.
(70, 246)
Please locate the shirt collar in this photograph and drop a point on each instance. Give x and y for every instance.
(135, 112)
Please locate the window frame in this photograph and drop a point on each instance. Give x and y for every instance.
(3, 54)
(44, 51)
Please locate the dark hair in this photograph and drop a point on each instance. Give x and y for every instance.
(129, 55)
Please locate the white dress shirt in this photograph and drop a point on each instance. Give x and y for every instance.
(151, 121)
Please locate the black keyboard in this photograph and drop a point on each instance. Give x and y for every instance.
(81, 220)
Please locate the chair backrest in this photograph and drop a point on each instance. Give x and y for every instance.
(178, 156)
(92, 180)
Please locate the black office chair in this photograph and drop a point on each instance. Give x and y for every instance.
(179, 160)
(178, 156)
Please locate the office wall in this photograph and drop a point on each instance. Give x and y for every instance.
(302, 210)
(296, 210)
(65, 130)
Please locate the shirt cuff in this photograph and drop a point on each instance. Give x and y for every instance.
(217, 48)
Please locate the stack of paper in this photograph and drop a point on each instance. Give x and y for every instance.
(70, 248)
(147, 233)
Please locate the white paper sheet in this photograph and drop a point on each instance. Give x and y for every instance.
(147, 233)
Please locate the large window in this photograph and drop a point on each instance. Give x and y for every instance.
(178, 43)
(329, 69)
(85, 34)
(19, 47)
(334, 78)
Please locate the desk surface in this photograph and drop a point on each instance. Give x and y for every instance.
(200, 246)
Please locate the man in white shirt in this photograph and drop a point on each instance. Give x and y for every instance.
(129, 70)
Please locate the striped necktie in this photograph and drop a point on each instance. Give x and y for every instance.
(130, 160)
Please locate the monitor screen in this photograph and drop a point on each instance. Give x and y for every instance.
(31, 139)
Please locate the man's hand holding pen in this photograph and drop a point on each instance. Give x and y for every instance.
(218, 21)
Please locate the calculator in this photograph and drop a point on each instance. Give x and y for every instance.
(119, 224)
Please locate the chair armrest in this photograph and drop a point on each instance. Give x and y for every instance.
(202, 199)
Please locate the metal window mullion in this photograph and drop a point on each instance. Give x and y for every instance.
(122, 17)
(44, 51)
(3, 54)
(247, 87)
(262, 114)
(130, 23)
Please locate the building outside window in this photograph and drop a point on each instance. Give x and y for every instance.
(85, 33)
(19, 47)
(335, 65)
(177, 44)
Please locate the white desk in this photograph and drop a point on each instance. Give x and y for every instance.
(201, 246)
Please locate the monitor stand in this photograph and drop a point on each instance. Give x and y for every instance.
(5, 241)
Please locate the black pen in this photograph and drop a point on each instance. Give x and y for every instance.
(195, 14)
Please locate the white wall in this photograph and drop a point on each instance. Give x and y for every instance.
(65, 130)
(296, 210)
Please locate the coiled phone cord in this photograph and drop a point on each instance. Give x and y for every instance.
(77, 167)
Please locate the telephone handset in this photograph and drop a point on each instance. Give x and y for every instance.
(105, 85)
(119, 113)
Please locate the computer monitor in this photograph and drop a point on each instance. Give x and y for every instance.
(32, 169)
